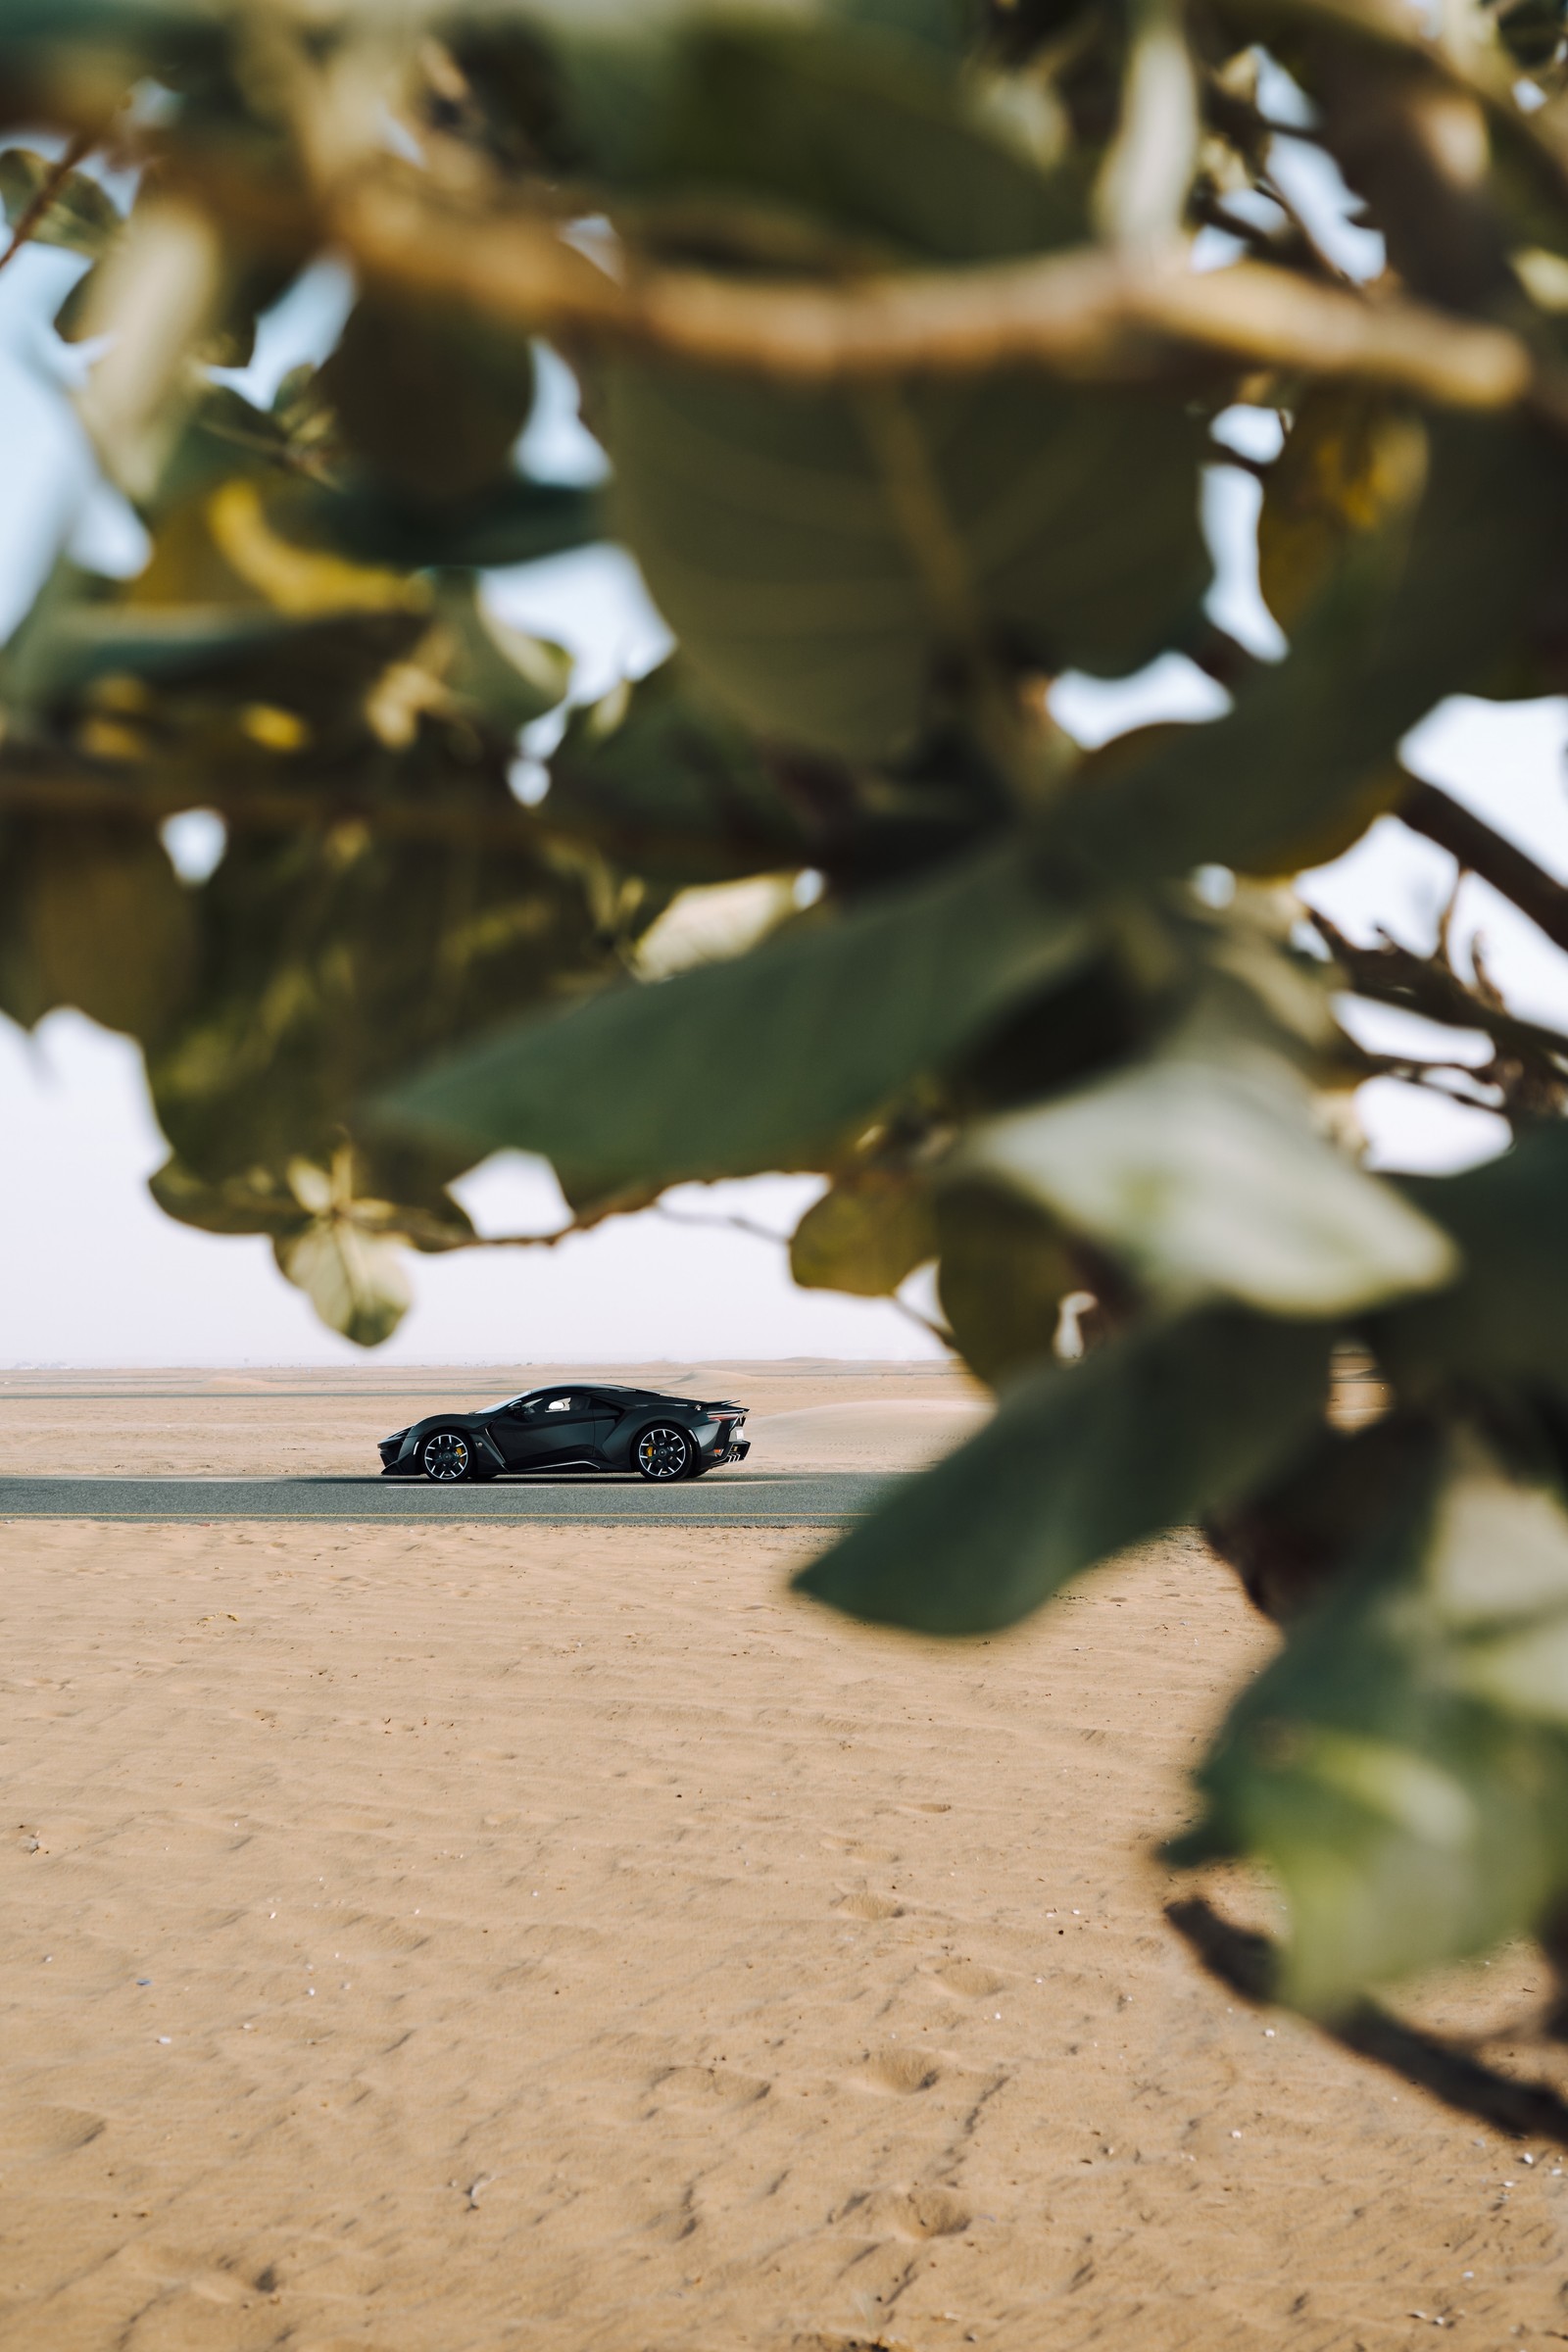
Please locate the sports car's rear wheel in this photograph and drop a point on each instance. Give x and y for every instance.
(447, 1455)
(664, 1453)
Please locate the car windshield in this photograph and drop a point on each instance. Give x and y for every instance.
(500, 1404)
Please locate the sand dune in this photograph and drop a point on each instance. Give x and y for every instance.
(901, 1433)
(802, 1415)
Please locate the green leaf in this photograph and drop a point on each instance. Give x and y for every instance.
(833, 122)
(819, 553)
(67, 642)
(1402, 1766)
(332, 961)
(514, 520)
(354, 1280)
(868, 1234)
(1155, 1429)
(776, 530)
(670, 786)
(1289, 1540)
(871, 137)
(502, 675)
(221, 435)
(71, 319)
(91, 914)
(1004, 1272)
(744, 1066)
(1506, 1319)
(1398, 625)
(434, 405)
(1353, 460)
(255, 1202)
(107, 42)
(1208, 1177)
(80, 215)
(283, 1201)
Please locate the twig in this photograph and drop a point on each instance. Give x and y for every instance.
(438, 1239)
(517, 1240)
(1248, 1964)
(781, 1241)
(758, 1233)
(912, 1314)
(1394, 976)
(47, 190)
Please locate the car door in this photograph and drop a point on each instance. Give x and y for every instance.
(522, 1432)
(555, 1426)
(604, 1413)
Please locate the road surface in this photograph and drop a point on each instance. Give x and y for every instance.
(725, 1499)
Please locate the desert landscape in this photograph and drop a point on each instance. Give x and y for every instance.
(432, 1940)
(809, 1413)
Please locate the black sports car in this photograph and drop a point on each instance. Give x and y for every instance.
(576, 1428)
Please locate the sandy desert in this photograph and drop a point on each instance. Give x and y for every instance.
(438, 1940)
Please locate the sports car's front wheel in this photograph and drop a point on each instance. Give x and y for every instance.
(664, 1453)
(445, 1454)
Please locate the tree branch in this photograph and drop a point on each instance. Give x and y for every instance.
(1089, 311)
(757, 1232)
(447, 820)
(1389, 974)
(1481, 851)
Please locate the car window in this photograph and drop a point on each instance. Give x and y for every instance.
(556, 1402)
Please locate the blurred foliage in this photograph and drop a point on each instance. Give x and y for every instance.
(908, 329)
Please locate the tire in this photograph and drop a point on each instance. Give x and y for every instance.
(664, 1453)
(446, 1456)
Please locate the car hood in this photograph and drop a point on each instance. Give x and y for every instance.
(415, 1428)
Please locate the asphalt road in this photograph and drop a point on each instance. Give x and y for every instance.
(724, 1498)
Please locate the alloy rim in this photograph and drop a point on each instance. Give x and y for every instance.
(446, 1456)
(662, 1452)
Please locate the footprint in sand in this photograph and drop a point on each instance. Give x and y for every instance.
(217, 2286)
(838, 2344)
(866, 1905)
(707, 2087)
(42, 2132)
(969, 1976)
(380, 1931)
(912, 2212)
(902, 2071)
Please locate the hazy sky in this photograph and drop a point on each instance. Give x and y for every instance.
(94, 1274)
